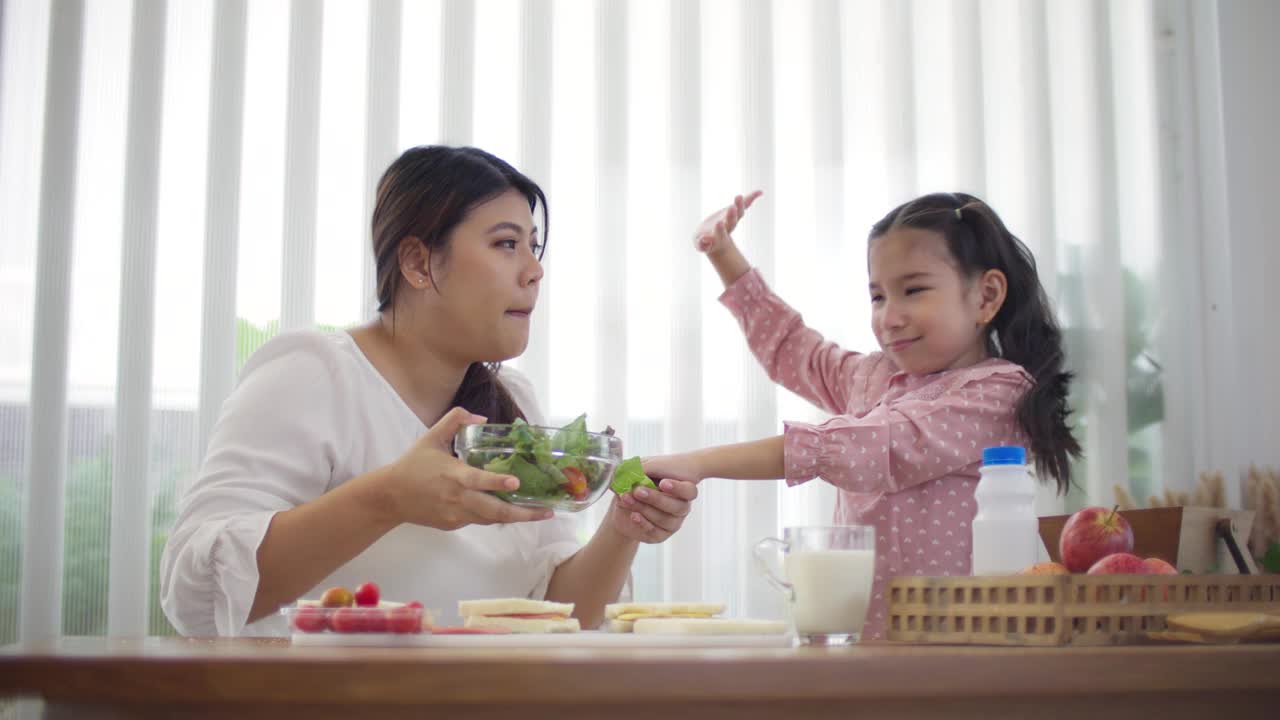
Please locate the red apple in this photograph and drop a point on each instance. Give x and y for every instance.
(1091, 534)
(1121, 563)
(1156, 566)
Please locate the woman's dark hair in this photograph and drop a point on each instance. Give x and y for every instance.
(1024, 331)
(425, 194)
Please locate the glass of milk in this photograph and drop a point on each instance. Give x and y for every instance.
(828, 572)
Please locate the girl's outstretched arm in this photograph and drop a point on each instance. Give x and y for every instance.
(895, 446)
(755, 460)
(793, 355)
(714, 238)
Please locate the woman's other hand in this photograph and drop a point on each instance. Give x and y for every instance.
(651, 516)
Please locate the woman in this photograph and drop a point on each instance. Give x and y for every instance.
(331, 461)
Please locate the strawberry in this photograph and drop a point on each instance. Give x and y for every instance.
(367, 595)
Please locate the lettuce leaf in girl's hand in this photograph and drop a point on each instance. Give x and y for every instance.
(630, 475)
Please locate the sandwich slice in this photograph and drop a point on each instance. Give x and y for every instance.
(519, 615)
(708, 626)
(621, 617)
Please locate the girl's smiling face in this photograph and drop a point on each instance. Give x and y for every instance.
(926, 316)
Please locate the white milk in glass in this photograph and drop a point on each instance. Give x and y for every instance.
(832, 589)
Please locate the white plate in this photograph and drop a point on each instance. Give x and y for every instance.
(589, 638)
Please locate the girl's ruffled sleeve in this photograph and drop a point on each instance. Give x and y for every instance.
(897, 445)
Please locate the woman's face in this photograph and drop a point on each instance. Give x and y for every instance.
(487, 280)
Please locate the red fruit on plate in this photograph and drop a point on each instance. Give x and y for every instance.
(310, 620)
(404, 620)
(1119, 564)
(375, 620)
(336, 597)
(1091, 534)
(349, 620)
(367, 595)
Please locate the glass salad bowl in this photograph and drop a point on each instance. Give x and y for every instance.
(564, 469)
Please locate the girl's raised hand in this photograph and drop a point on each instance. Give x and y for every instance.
(712, 236)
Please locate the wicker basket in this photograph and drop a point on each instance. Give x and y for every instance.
(1062, 609)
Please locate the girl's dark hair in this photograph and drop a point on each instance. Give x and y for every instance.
(425, 194)
(1024, 331)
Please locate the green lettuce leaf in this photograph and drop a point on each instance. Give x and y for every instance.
(534, 481)
(572, 439)
(629, 475)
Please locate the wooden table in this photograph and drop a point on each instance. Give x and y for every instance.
(172, 677)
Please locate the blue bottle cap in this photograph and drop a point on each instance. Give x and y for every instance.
(1004, 455)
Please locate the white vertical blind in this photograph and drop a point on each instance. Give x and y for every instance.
(535, 158)
(638, 119)
(683, 556)
(46, 450)
(832, 233)
(1085, 145)
(457, 72)
(969, 95)
(222, 213)
(131, 467)
(757, 509)
(899, 98)
(297, 289)
(611, 213)
(1188, 178)
(382, 120)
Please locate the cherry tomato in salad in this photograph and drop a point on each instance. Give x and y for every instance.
(577, 485)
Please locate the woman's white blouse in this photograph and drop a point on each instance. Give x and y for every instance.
(309, 413)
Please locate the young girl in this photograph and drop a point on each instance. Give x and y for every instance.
(331, 463)
(972, 357)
